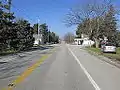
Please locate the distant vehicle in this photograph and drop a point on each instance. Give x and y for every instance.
(108, 47)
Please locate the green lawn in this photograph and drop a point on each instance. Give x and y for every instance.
(97, 50)
(109, 55)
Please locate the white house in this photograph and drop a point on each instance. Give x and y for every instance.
(83, 41)
(38, 39)
(78, 41)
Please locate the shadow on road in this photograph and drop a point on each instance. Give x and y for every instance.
(13, 68)
(27, 50)
(3, 62)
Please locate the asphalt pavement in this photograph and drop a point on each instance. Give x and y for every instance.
(68, 67)
(59, 72)
(11, 66)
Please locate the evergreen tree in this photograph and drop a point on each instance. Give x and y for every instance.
(110, 24)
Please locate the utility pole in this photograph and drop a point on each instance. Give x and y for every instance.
(38, 32)
(48, 36)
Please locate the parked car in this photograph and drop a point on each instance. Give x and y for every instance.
(108, 47)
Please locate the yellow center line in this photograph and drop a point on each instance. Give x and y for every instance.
(27, 72)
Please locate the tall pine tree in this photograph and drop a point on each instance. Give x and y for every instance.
(110, 25)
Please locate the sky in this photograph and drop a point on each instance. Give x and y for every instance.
(51, 12)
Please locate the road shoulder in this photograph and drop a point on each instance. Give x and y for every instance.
(105, 74)
(103, 58)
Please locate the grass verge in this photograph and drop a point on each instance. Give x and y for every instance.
(7, 52)
(109, 55)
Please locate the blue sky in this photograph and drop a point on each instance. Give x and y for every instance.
(51, 12)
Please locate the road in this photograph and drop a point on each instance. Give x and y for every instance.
(12, 66)
(69, 67)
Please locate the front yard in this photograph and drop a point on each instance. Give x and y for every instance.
(109, 55)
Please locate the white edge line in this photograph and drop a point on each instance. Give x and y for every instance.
(85, 71)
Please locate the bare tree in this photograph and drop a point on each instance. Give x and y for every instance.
(95, 10)
(77, 15)
(99, 10)
(69, 37)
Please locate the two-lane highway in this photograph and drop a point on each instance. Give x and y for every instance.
(69, 67)
(59, 72)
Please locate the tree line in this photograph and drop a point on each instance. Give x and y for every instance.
(97, 20)
(15, 34)
(47, 35)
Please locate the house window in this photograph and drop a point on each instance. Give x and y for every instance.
(75, 40)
